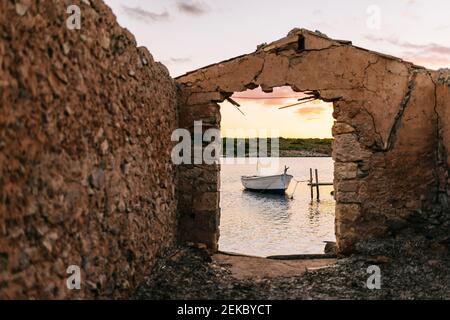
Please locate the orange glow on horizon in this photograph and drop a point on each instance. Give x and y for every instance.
(309, 120)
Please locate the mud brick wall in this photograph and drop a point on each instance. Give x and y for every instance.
(387, 134)
(85, 171)
(442, 80)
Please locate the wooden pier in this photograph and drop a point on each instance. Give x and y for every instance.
(316, 184)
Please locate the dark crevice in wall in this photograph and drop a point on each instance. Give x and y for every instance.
(301, 43)
(389, 144)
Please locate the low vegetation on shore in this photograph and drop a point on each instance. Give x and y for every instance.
(289, 147)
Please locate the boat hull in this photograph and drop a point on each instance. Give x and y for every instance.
(268, 184)
(270, 191)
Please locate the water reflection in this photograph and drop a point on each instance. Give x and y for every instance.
(265, 196)
(275, 208)
(266, 224)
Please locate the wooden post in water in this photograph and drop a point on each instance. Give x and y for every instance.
(317, 185)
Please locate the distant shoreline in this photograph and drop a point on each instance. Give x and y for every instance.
(302, 154)
(293, 148)
(288, 156)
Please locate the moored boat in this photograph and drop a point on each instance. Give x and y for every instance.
(268, 184)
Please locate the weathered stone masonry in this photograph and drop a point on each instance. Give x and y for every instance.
(391, 134)
(85, 171)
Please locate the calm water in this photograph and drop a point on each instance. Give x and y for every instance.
(263, 225)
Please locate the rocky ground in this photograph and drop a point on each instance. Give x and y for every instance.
(408, 271)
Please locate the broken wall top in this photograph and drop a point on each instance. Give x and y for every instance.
(313, 41)
(377, 85)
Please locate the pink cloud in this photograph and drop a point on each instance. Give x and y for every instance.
(429, 55)
(429, 61)
(195, 8)
(280, 96)
(306, 111)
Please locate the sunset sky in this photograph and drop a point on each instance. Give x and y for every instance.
(188, 34)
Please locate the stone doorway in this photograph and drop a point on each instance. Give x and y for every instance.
(264, 224)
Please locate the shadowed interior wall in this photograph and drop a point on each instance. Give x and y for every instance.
(386, 134)
(86, 177)
(442, 81)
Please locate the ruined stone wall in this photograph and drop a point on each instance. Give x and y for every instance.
(386, 132)
(86, 179)
(442, 80)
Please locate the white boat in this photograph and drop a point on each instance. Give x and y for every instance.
(268, 184)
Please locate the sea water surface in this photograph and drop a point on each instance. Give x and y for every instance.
(263, 224)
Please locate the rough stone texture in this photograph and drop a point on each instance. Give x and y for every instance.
(442, 80)
(409, 271)
(391, 118)
(86, 179)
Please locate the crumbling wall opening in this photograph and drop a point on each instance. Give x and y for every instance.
(264, 223)
(385, 133)
(277, 110)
